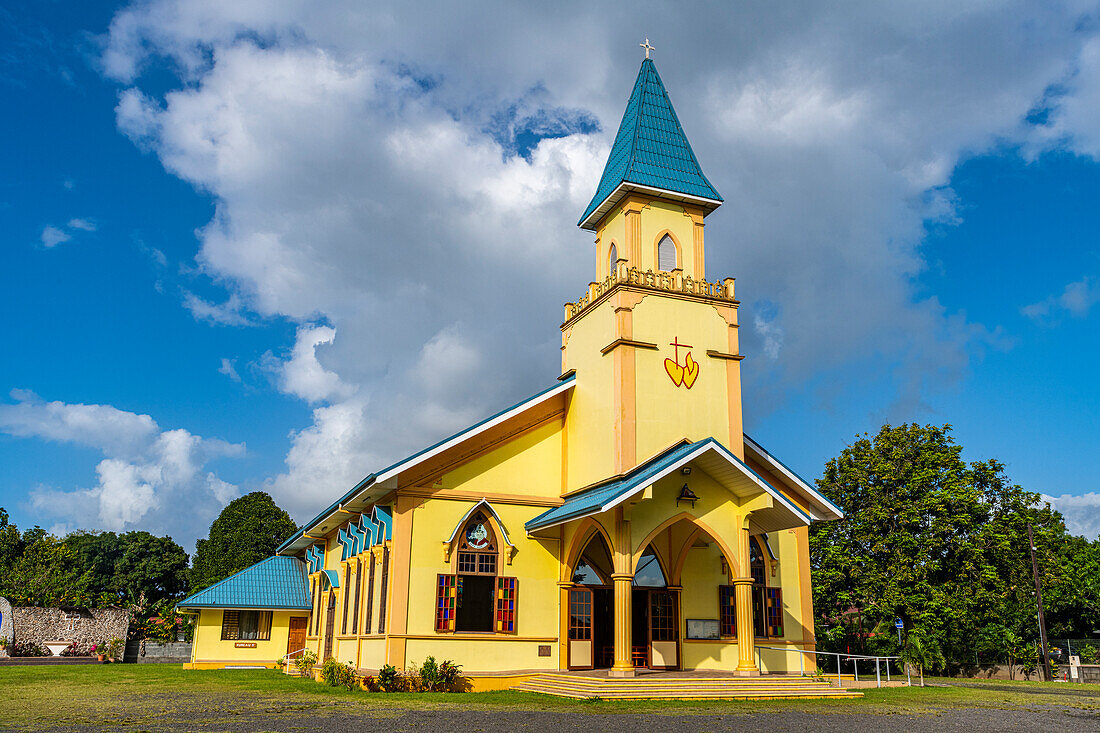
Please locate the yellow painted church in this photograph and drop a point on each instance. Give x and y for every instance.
(618, 520)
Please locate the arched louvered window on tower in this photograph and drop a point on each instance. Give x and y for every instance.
(666, 254)
(612, 258)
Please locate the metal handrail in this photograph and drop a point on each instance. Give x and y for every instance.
(853, 657)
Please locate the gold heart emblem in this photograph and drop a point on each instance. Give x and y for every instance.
(691, 371)
(675, 372)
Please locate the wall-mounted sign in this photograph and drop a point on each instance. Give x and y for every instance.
(544, 650)
(685, 373)
(702, 628)
(245, 645)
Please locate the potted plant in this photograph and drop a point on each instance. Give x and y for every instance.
(97, 650)
(114, 650)
(3, 643)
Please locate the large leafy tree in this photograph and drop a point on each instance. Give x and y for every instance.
(248, 530)
(931, 539)
(132, 566)
(45, 572)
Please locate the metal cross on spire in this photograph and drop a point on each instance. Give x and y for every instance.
(647, 47)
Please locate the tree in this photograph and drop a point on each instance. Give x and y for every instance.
(933, 540)
(132, 565)
(919, 651)
(46, 573)
(248, 530)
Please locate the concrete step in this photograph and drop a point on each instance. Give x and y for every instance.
(682, 688)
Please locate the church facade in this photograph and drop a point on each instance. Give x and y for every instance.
(619, 519)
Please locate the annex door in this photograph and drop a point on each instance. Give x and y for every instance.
(296, 642)
(580, 629)
(664, 623)
(330, 624)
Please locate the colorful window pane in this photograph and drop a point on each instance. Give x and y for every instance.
(774, 611)
(445, 603)
(506, 605)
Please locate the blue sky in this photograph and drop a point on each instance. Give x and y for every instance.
(273, 249)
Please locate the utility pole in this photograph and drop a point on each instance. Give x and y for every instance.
(1039, 604)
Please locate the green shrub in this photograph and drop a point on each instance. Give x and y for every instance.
(449, 673)
(1087, 654)
(429, 675)
(338, 674)
(305, 661)
(388, 681)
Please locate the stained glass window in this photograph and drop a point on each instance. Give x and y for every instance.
(506, 605)
(445, 603)
(774, 600)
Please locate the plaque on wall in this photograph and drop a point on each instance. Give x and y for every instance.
(245, 645)
(702, 628)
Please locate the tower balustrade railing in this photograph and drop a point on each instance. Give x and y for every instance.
(658, 280)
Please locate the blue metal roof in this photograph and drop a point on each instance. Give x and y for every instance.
(333, 578)
(651, 148)
(594, 499)
(604, 497)
(385, 522)
(275, 583)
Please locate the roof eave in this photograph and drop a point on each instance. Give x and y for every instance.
(593, 218)
(390, 473)
(831, 510)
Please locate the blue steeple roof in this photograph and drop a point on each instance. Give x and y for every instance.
(650, 152)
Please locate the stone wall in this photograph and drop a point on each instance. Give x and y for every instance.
(82, 625)
(152, 652)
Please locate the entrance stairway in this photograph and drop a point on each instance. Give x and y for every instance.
(674, 686)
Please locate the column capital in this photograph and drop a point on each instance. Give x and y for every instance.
(566, 583)
(741, 581)
(624, 576)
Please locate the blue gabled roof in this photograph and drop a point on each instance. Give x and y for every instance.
(606, 496)
(275, 583)
(650, 148)
(594, 499)
(385, 521)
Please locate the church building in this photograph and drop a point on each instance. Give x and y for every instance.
(620, 519)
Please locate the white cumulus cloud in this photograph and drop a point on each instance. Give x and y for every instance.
(1082, 513)
(364, 163)
(149, 478)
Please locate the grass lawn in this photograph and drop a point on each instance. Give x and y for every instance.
(141, 697)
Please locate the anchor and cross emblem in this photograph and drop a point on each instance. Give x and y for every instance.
(681, 374)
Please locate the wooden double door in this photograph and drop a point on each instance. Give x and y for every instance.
(655, 626)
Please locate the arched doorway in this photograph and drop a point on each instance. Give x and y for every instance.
(592, 608)
(654, 620)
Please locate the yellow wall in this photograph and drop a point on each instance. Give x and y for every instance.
(208, 646)
(529, 465)
(665, 412)
(534, 565)
(590, 422)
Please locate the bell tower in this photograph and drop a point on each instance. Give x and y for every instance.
(652, 341)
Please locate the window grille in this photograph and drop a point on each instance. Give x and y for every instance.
(727, 611)
(370, 595)
(662, 609)
(347, 599)
(358, 589)
(580, 615)
(383, 589)
(246, 625)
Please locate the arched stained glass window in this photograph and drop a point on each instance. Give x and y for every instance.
(666, 254)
